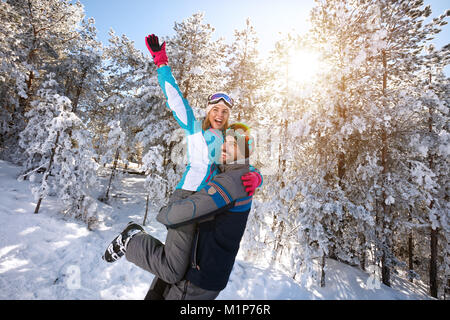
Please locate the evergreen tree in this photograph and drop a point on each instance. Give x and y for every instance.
(196, 59)
(115, 151)
(245, 77)
(58, 141)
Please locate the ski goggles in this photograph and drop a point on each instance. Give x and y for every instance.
(239, 126)
(216, 97)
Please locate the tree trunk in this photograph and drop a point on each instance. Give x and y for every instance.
(113, 172)
(282, 168)
(76, 98)
(47, 172)
(410, 251)
(322, 271)
(385, 271)
(434, 232)
(433, 263)
(343, 115)
(385, 260)
(278, 247)
(146, 209)
(187, 87)
(283, 132)
(362, 260)
(410, 256)
(166, 161)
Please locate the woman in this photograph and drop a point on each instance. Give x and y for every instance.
(204, 141)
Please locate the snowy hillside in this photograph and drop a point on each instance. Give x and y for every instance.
(49, 256)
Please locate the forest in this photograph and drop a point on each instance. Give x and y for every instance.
(350, 119)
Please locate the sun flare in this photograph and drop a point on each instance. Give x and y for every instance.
(304, 66)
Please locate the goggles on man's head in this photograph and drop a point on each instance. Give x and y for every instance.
(239, 126)
(216, 97)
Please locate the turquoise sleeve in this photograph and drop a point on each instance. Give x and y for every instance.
(179, 106)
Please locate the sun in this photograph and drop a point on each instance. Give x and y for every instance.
(304, 66)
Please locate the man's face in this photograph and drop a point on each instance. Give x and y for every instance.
(229, 150)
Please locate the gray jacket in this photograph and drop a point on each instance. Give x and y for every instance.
(223, 192)
(170, 262)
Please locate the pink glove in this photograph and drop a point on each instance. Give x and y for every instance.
(158, 52)
(251, 181)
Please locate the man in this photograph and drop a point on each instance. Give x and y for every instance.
(219, 215)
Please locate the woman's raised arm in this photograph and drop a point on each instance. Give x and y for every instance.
(179, 106)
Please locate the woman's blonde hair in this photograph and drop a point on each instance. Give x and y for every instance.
(207, 124)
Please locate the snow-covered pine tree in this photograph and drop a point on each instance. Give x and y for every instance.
(196, 59)
(11, 83)
(58, 142)
(316, 217)
(125, 66)
(81, 71)
(245, 77)
(368, 127)
(115, 151)
(39, 33)
(275, 221)
(429, 146)
(406, 35)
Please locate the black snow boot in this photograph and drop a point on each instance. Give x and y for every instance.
(118, 246)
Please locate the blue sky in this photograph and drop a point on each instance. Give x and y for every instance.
(138, 18)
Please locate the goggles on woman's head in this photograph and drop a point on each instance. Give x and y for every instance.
(216, 97)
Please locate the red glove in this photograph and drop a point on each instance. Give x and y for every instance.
(251, 181)
(158, 52)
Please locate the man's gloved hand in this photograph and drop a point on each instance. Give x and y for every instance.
(157, 51)
(251, 181)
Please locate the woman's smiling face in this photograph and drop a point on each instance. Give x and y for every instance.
(218, 115)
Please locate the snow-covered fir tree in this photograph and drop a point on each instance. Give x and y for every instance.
(245, 77)
(57, 143)
(345, 178)
(196, 59)
(81, 71)
(38, 34)
(115, 151)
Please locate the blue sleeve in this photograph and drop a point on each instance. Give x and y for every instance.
(209, 201)
(179, 106)
(253, 169)
(216, 197)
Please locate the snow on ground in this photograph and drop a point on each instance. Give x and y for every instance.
(50, 256)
